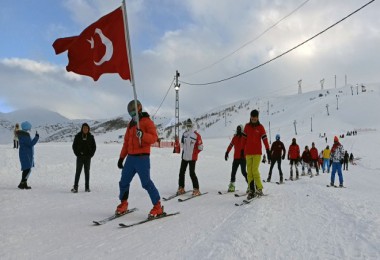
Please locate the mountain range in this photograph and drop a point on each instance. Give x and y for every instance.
(300, 113)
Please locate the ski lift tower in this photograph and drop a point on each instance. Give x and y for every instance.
(176, 88)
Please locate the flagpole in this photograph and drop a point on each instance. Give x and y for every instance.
(129, 54)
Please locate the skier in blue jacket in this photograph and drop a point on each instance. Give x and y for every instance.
(26, 152)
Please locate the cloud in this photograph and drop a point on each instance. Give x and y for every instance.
(196, 38)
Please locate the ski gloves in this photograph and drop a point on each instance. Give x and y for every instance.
(226, 156)
(268, 155)
(120, 163)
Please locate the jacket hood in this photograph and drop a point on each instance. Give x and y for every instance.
(85, 124)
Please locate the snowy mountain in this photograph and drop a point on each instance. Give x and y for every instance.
(298, 220)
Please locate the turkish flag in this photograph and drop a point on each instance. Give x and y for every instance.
(99, 49)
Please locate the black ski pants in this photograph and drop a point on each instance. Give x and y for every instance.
(83, 162)
(272, 163)
(193, 176)
(243, 167)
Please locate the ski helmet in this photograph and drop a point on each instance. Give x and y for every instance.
(277, 137)
(132, 108)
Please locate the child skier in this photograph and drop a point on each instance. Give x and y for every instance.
(239, 159)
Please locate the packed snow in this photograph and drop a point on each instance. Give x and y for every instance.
(302, 219)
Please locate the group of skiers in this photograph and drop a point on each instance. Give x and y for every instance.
(245, 156)
(141, 134)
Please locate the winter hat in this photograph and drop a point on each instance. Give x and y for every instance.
(336, 139)
(189, 123)
(26, 126)
(277, 137)
(254, 113)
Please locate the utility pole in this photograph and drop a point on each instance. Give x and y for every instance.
(345, 79)
(337, 97)
(322, 82)
(295, 126)
(327, 107)
(225, 117)
(335, 81)
(176, 87)
(268, 108)
(352, 90)
(311, 120)
(299, 86)
(270, 138)
(357, 89)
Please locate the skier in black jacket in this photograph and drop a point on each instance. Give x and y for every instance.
(84, 148)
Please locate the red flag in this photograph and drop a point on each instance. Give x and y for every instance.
(99, 49)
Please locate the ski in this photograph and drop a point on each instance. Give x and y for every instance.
(174, 195)
(226, 192)
(279, 183)
(115, 216)
(122, 225)
(335, 186)
(192, 197)
(241, 195)
(247, 201)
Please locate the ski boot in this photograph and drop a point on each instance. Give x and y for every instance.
(259, 192)
(180, 191)
(74, 189)
(157, 210)
(196, 192)
(122, 207)
(231, 187)
(251, 194)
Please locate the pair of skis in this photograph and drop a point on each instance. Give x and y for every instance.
(122, 225)
(183, 199)
(277, 182)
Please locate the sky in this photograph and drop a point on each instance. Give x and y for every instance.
(205, 41)
(298, 220)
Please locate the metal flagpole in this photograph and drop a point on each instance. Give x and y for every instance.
(128, 43)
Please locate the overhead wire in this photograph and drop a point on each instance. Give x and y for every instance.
(247, 43)
(282, 54)
(167, 92)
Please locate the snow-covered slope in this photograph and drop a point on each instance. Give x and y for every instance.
(298, 220)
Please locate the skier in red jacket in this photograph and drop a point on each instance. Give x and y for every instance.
(294, 157)
(314, 159)
(239, 159)
(255, 134)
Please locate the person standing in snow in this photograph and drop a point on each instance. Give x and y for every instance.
(192, 145)
(84, 148)
(136, 153)
(294, 158)
(26, 153)
(326, 159)
(239, 159)
(337, 156)
(15, 137)
(306, 159)
(345, 161)
(278, 152)
(254, 134)
(314, 159)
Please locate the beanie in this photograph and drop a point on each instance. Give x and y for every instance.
(254, 113)
(26, 126)
(277, 137)
(336, 139)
